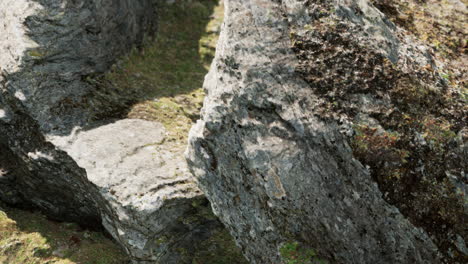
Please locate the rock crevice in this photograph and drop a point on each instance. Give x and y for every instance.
(57, 157)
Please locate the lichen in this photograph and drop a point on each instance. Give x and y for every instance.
(406, 132)
(35, 53)
(373, 145)
(442, 25)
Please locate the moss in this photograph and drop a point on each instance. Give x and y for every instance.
(293, 253)
(219, 249)
(464, 94)
(414, 118)
(203, 210)
(208, 42)
(177, 113)
(27, 237)
(161, 82)
(214, 245)
(440, 24)
(437, 132)
(370, 144)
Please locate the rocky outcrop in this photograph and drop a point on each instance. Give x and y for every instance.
(34, 172)
(52, 49)
(152, 202)
(55, 156)
(142, 194)
(299, 147)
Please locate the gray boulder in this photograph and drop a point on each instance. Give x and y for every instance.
(54, 155)
(52, 49)
(48, 50)
(35, 172)
(274, 149)
(151, 197)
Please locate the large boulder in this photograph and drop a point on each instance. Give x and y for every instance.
(34, 172)
(51, 50)
(328, 128)
(57, 157)
(153, 206)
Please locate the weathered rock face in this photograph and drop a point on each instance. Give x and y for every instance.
(153, 202)
(55, 157)
(276, 150)
(52, 48)
(35, 172)
(48, 49)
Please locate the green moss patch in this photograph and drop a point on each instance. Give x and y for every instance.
(293, 253)
(30, 238)
(219, 249)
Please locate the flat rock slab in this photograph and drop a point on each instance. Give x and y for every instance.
(126, 161)
(148, 186)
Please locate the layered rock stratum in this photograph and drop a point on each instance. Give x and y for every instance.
(326, 127)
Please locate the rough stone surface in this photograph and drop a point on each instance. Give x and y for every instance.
(406, 121)
(149, 189)
(52, 49)
(48, 50)
(35, 172)
(272, 154)
(55, 157)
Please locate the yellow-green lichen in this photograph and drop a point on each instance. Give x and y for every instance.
(35, 53)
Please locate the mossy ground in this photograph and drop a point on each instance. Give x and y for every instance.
(168, 72)
(169, 75)
(219, 249)
(293, 253)
(30, 238)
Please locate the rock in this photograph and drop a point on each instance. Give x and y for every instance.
(272, 150)
(54, 155)
(151, 195)
(60, 252)
(36, 173)
(54, 48)
(49, 50)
